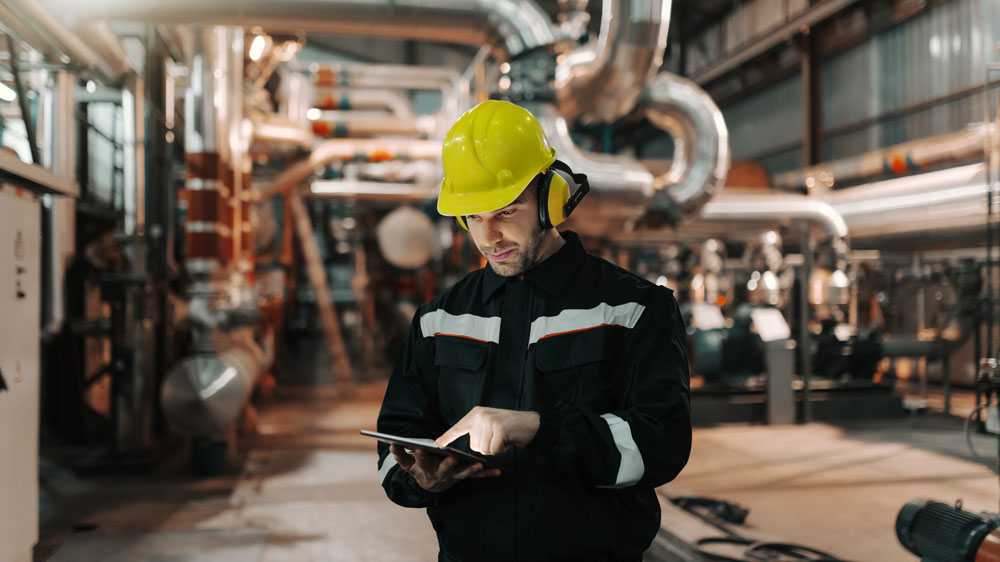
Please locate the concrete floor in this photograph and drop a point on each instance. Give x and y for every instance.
(309, 491)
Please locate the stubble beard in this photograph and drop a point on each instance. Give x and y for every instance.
(524, 256)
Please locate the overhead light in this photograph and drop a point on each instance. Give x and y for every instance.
(314, 113)
(6, 93)
(257, 47)
(91, 86)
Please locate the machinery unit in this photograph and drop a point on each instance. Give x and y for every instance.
(20, 261)
(938, 532)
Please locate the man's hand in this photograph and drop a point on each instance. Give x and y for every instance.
(492, 430)
(435, 473)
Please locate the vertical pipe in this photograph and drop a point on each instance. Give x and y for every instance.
(921, 313)
(805, 339)
(339, 363)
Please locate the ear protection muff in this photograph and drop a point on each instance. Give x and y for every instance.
(554, 200)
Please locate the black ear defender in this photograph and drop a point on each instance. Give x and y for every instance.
(554, 200)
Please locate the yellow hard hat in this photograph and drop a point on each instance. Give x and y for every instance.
(490, 155)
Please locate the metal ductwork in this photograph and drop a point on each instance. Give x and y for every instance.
(509, 26)
(601, 81)
(936, 210)
(701, 144)
(961, 147)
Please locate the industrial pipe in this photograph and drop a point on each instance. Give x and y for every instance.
(36, 25)
(360, 124)
(204, 393)
(602, 80)
(373, 191)
(774, 209)
(936, 210)
(701, 144)
(338, 149)
(904, 158)
(509, 26)
(393, 101)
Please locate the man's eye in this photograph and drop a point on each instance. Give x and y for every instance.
(506, 213)
(471, 217)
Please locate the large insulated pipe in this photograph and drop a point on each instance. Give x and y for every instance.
(509, 26)
(602, 80)
(936, 210)
(701, 143)
(904, 158)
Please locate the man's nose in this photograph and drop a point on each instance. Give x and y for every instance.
(491, 233)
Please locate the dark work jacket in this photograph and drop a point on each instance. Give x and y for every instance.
(600, 353)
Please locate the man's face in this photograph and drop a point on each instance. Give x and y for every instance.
(510, 238)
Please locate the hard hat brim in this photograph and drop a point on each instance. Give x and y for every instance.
(461, 204)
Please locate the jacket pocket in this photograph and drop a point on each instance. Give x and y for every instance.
(578, 367)
(460, 363)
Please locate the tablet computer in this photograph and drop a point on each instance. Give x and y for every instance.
(431, 447)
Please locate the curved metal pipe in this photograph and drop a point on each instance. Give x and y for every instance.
(601, 82)
(621, 187)
(509, 26)
(774, 208)
(397, 103)
(701, 143)
(900, 159)
(338, 149)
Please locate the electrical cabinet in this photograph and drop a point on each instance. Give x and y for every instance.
(20, 263)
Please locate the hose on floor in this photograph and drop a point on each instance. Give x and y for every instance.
(720, 513)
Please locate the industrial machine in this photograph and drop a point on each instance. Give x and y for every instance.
(22, 188)
(937, 532)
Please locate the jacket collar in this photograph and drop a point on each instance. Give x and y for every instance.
(551, 275)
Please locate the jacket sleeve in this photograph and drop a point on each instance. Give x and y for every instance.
(646, 440)
(409, 409)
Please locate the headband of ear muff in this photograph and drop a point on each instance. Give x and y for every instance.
(555, 203)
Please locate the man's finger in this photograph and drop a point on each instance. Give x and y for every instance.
(467, 471)
(486, 473)
(404, 459)
(452, 434)
(497, 442)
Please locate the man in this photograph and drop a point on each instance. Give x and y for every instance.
(570, 369)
